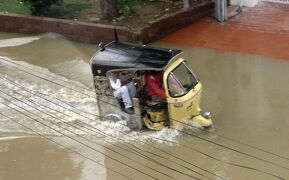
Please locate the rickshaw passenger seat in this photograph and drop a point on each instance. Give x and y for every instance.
(156, 105)
(147, 101)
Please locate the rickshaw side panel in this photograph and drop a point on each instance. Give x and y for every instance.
(109, 109)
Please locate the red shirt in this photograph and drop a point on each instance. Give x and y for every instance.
(154, 84)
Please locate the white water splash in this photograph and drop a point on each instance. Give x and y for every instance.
(12, 138)
(17, 41)
(58, 96)
(12, 42)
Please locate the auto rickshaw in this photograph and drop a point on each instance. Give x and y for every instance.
(182, 88)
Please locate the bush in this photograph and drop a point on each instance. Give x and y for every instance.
(77, 6)
(126, 6)
(68, 10)
(41, 7)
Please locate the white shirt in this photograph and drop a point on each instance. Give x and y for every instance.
(115, 83)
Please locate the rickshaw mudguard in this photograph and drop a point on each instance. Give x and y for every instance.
(185, 108)
(201, 120)
(153, 125)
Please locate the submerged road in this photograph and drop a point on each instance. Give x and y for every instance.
(248, 96)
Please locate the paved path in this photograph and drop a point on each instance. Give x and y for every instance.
(263, 30)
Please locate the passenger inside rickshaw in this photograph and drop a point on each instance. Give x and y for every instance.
(123, 89)
(154, 81)
(145, 85)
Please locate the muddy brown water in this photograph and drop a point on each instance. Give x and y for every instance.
(248, 96)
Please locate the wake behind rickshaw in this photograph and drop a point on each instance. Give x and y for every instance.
(182, 88)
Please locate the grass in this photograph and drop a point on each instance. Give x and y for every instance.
(77, 6)
(13, 6)
(69, 9)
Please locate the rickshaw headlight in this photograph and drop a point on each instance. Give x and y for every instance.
(207, 115)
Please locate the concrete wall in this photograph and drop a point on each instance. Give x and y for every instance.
(95, 33)
(166, 25)
(78, 31)
(246, 3)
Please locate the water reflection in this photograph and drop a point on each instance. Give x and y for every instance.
(53, 52)
(244, 92)
(32, 158)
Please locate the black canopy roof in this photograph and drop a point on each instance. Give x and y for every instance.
(118, 55)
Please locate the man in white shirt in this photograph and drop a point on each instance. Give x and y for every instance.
(124, 89)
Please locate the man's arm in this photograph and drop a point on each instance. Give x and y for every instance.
(114, 81)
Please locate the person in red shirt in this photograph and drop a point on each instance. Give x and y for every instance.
(154, 80)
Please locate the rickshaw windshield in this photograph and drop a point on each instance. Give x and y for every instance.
(181, 80)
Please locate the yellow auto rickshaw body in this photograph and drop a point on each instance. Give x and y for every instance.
(182, 88)
(184, 108)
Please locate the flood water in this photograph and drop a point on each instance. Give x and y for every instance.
(49, 128)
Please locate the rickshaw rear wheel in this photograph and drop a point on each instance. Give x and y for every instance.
(134, 123)
(114, 117)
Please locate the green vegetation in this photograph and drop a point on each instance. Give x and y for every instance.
(14, 6)
(40, 7)
(127, 6)
(68, 9)
(131, 13)
(77, 6)
(62, 8)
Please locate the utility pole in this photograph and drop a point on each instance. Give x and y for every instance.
(221, 10)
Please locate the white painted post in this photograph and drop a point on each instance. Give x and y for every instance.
(221, 10)
(246, 3)
(186, 4)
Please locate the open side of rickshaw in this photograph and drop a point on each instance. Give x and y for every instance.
(182, 88)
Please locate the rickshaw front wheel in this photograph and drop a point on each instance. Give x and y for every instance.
(210, 128)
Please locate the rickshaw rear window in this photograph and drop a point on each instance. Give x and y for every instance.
(181, 80)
